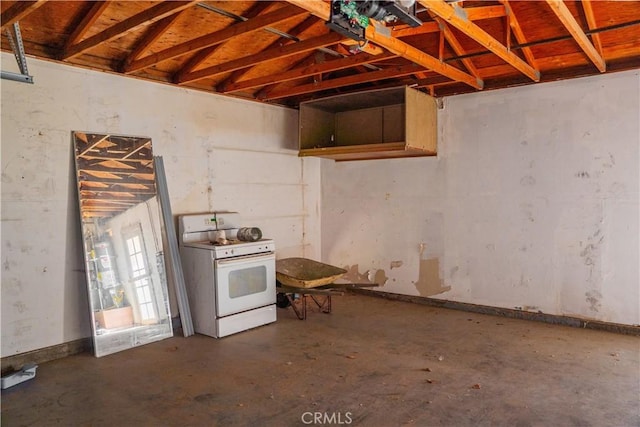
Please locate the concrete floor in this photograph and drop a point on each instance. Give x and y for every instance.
(373, 362)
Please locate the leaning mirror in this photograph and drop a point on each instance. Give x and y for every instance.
(120, 219)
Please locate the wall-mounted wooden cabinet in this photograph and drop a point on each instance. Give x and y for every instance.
(385, 123)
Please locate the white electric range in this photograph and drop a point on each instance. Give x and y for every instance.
(231, 286)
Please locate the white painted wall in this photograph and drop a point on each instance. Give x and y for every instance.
(219, 154)
(532, 202)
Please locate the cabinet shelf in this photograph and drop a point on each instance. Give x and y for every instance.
(387, 123)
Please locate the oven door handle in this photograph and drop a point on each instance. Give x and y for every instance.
(245, 258)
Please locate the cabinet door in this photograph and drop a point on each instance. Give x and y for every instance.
(421, 123)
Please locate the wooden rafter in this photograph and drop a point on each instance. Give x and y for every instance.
(591, 22)
(295, 32)
(297, 73)
(473, 14)
(396, 46)
(372, 76)
(308, 61)
(87, 21)
(455, 16)
(154, 33)
(570, 23)
(147, 17)
(520, 37)
(18, 11)
(204, 54)
(265, 55)
(456, 46)
(258, 23)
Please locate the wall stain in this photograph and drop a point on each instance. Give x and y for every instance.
(593, 298)
(527, 181)
(20, 306)
(582, 175)
(396, 264)
(429, 281)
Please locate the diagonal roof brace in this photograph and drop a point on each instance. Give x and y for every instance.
(15, 41)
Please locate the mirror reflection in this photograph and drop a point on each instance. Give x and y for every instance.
(124, 256)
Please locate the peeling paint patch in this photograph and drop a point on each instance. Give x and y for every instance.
(353, 274)
(378, 277)
(396, 264)
(429, 281)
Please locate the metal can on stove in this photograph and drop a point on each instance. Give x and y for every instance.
(249, 234)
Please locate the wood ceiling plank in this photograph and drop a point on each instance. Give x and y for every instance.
(147, 17)
(372, 76)
(18, 11)
(591, 22)
(519, 34)
(296, 31)
(455, 16)
(297, 73)
(87, 21)
(425, 28)
(204, 54)
(473, 13)
(570, 23)
(156, 31)
(394, 45)
(265, 55)
(242, 28)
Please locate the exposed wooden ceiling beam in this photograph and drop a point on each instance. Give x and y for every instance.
(147, 17)
(570, 23)
(425, 28)
(372, 76)
(455, 16)
(19, 10)
(394, 45)
(520, 37)
(87, 21)
(203, 54)
(591, 22)
(297, 73)
(473, 13)
(154, 33)
(311, 59)
(456, 46)
(263, 56)
(258, 23)
(295, 32)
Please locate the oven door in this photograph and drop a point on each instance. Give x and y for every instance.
(245, 283)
